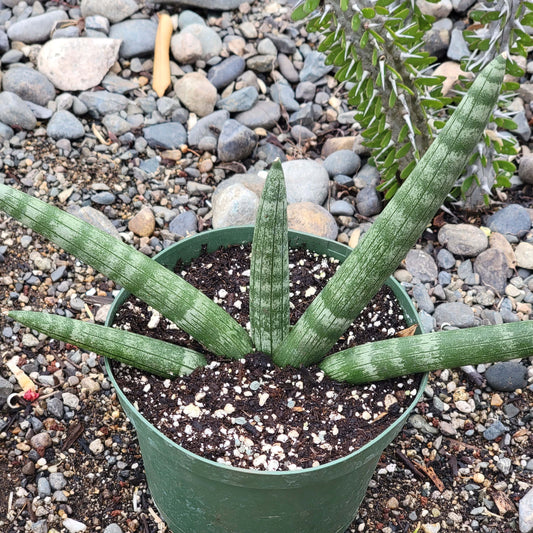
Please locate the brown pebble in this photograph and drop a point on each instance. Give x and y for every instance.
(393, 503)
(28, 469)
(41, 440)
(143, 223)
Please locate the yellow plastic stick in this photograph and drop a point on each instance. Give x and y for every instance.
(24, 381)
(161, 79)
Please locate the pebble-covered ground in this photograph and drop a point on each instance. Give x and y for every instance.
(81, 128)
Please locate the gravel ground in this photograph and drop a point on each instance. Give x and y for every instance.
(70, 460)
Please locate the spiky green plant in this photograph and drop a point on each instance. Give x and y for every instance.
(378, 47)
(354, 284)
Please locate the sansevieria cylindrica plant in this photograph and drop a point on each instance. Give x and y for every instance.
(357, 280)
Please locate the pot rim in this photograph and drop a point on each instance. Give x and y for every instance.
(242, 234)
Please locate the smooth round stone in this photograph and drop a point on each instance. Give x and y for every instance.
(301, 134)
(98, 23)
(100, 103)
(455, 314)
(113, 528)
(312, 218)
(103, 198)
(235, 205)
(143, 223)
(283, 94)
(226, 71)
(113, 10)
(341, 208)
(207, 126)
(196, 93)
(283, 43)
(511, 220)
(64, 125)
(240, 100)
(138, 37)
(287, 69)
(422, 298)
(169, 135)
(116, 124)
(4, 42)
(525, 169)
(188, 17)
(368, 176)
(57, 481)
(74, 526)
(184, 224)
(264, 114)
(438, 10)
(314, 67)
(491, 265)
(445, 259)
(260, 63)
(368, 202)
(463, 239)
(342, 162)
(35, 29)
(43, 487)
(29, 84)
(208, 37)
(236, 142)
(268, 153)
(41, 440)
(506, 376)
(15, 112)
(96, 218)
(5, 131)
(186, 48)
(421, 265)
(306, 181)
(305, 91)
(525, 512)
(524, 255)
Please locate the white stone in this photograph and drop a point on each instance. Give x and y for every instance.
(77, 64)
(73, 526)
(525, 513)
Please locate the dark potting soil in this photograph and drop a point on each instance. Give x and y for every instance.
(248, 412)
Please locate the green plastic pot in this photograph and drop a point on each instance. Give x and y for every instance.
(196, 495)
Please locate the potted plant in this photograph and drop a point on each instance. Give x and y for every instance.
(196, 494)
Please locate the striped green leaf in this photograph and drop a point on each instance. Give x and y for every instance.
(391, 358)
(397, 228)
(154, 356)
(173, 297)
(269, 269)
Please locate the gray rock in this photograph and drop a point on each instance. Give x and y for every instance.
(495, 430)
(511, 220)
(455, 314)
(77, 64)
(261, 63)
(169, 135)
(96, 218)
(184, 224)
(138, 37)
(462, 5)
(525, 513)
(207, 127)
(236, 142)
(305, 116)
(64, 125)
(419, 422)
(368, 176)
(287, 69)
(113, 10)
(283, 94)
(422, 298)
(506, 376)
(4, 42)
(368, 202)
(196, 93)
(314, 67)
(208, 37)
(188, 17)
(6, 389)
(57, 480)
(341, 208)
(491, 265)
(226, 71)
(5, 131)
(305, 91)
(15, 112)
(116, 124)
(306, 181)
(445, 259)
(55, 408)
(103, 198)
(35, 29)
(43, 487)
(235, 205)
(264, 114)
(40, 112)
(301, 134)
(113, 528)
(117, 84)
(458, 47)
(421, 265)
(523, 129)
(525, 169)
(463, 239)
(342, 162)
(29, 84)
(98, 23)
(218, 5)
(11, 56)
(240, 100)
(269, 152)
(101, 103)
(437, 41)
(284, 44)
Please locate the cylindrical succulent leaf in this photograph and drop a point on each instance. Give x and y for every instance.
(401, 356)
(153, 355)
(269, 268)
(396, 229)
(165, 291)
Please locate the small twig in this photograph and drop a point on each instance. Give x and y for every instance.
(409, 464)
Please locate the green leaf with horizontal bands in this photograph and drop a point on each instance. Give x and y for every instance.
(165, 291)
